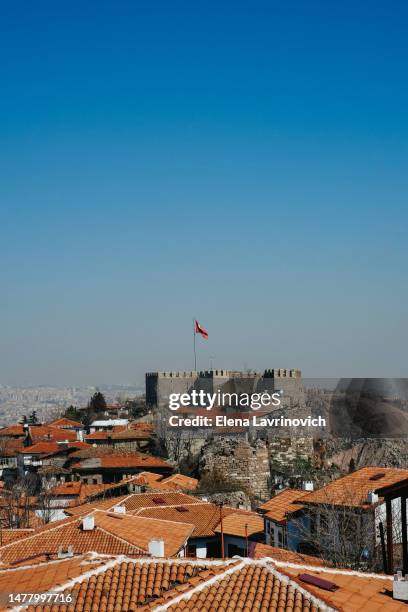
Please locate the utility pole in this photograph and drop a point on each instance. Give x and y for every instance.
(246, 538)
(222, 529)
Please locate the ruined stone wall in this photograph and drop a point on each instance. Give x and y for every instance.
(238, 463)
(284, 451)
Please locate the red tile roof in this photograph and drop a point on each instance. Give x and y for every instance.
(282, 503)
(98, 435)
(140, 501)
(241, 524)
(11, 535)
(205, 517)
(41, 578)
(125, 585)
(352, 490)
(261, 551)
(113, 534)
(123, 460)
(140, 530)
(355, 592)
(39, 432)
(146, 478)
(98, 504)
(177, 482)
(64, 422)
(247, 587)
(50, 448)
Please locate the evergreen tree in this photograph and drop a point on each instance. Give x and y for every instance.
(72, 413)
(97, 402)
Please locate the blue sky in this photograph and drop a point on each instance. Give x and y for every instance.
(242, 163)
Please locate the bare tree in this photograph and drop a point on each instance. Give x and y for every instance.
(345, 534)
(15, 507)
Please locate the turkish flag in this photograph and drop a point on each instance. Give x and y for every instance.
(200, 330)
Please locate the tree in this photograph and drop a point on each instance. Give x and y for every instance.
(97, 403)
(345, 534)
(45, 504)
(72, 413)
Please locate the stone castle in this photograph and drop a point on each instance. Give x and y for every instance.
(159, 385)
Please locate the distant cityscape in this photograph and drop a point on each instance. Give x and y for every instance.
(49, 401)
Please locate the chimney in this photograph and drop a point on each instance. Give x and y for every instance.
(400, 587)
(88, 523)
(65, 553)
(156, 548)
(119, 509)
(307, 485)
(80, 435)
(372, 497)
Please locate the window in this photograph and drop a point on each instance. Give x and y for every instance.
(191, 550)
(235, 550)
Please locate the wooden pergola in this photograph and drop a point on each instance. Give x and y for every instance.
(389, 493)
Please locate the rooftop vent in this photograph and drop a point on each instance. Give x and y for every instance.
(65, 553)
(372, 497)
(156, 548)
(158, 500)
(326, 585)
(119, 509)
(88, 523)
(377, 476)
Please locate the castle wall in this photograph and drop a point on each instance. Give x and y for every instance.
(159, 385)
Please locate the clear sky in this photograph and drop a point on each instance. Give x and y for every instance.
(244, 163)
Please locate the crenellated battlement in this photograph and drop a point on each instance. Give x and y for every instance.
(160, 384)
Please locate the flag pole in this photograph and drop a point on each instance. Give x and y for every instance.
(194, 344)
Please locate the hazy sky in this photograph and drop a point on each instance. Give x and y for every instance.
(244, 163)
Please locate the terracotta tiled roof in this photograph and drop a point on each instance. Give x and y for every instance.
(179, 481)
(63, 422)
(352, 490)
(98, 435)
(81, 490)
(139, 530)
(261, 551)
(241, 524)
(285, 501)
(12, 430)
(39, 432)
(356, 591)
(248, 586)
(67, 488)
(99, 504)
(205, 517)
(139, 501)
(50, 448)
(126, 585)
(11, 535)
(43, 577)
(146, 478)
(123, 460)
(46, 541)
(41, 448)
(113, 533)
